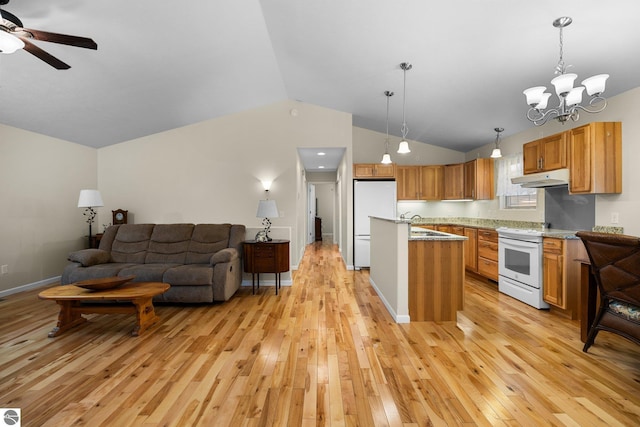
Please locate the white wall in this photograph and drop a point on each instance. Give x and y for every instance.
(211, 172)
(40, 222)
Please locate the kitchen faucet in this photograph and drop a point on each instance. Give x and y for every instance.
(403, 215)
(416, 216)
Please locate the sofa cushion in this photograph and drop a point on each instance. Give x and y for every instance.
(131, 243)
(169, 243)
(147, 272)
(88, 257)
(190, 274)
(206, 240)
(97, 271)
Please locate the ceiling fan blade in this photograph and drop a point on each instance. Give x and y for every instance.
(46, 57)
(76, 41)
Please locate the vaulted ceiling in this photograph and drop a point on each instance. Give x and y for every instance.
(162, 65)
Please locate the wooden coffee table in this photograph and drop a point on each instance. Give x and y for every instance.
(70, 299)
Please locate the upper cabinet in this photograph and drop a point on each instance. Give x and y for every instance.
(431, 182)
(545, 154)
(479, 179)
(420, 182)
(454, 182)
(595, 154)
(374, 170)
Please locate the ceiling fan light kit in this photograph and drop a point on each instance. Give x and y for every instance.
(14, 36)
(570, 97)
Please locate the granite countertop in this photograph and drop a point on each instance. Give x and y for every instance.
(492, 224)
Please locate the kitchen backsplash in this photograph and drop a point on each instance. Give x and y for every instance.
(568, 211)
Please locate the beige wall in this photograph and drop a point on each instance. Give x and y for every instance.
(368, 147)
(211, 172)
(39, 220)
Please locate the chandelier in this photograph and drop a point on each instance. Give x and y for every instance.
(570, 97)
(386, 158)
(403, 148)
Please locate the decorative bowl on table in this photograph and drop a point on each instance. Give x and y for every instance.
(103, 283)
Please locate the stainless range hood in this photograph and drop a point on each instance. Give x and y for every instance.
(543, 179)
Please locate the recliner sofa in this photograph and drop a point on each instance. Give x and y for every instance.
(202, 262)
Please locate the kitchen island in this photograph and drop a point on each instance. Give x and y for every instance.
(418, 273)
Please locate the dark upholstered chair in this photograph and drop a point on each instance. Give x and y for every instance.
(615, 265)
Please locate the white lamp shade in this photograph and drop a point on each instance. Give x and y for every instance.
(534, 95)
(564, 83)
(403, 148)
(544, 101)
(267, 209)
(496, 153)
(595, 84)
(90, 199)
(386, 159)
(9, 43)
(574, 96)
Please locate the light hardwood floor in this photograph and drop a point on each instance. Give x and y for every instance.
(324, 352)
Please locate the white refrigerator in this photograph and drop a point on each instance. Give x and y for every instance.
(370, 198)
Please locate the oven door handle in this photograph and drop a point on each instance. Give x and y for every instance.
(517, 244)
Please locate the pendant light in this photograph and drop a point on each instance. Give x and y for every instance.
(386, 158)
(403, 148)
(496, 153)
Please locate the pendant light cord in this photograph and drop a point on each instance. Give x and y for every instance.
(405, 128)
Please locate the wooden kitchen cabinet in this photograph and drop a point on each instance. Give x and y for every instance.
(471, 249)
(454, 182)
(595, 155)
(488, 253)
(408, 182)
(545, 154)
(561, 274)
(374, 170)
(479, 179)
(457, 229)
(431, 182)
(420, 182)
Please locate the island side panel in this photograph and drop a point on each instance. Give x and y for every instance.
(436, 279)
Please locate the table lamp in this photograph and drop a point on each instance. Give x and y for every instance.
(266, 209)
(90, 199)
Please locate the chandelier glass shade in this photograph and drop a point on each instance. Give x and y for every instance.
(403, 148)
(386, 158)
(570, 98)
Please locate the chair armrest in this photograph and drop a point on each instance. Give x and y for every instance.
(89, 257)
(224, 255)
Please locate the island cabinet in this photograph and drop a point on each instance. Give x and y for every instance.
(436, 280)
(479, 179)
(374, 170)
(420, 182)
(471, 249)
(545, 154)
(561, 274)
(488, 253)
(595, 154)
(454, 182)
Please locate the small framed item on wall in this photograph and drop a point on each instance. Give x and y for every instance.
(119, 216)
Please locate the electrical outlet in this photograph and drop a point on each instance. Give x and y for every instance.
(4, 269)
(614, 217)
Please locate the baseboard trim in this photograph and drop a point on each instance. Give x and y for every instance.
(29, 286)
(399, 318)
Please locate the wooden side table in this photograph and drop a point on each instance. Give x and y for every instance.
(266, 257)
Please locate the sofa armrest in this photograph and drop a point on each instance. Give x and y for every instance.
(224, 255)
(89, 257)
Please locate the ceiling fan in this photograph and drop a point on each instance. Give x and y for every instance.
(21, 37)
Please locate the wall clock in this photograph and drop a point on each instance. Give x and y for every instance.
(119, 216)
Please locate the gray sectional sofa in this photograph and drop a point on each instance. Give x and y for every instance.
(202, 262)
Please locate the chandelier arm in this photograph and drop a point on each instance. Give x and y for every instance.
(542, 117)
(592, 101)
